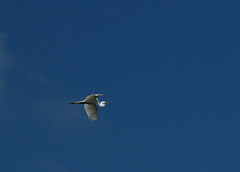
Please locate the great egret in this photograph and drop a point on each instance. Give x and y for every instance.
(90, 105)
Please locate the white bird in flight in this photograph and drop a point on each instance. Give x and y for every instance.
(90, 105)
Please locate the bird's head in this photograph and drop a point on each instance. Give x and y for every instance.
(103, 103)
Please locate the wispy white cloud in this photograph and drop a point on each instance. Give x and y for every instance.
(59, 114)
(55, 109)
(43, 79)
(63, 118)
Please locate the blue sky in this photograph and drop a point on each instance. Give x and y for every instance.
(169, 68)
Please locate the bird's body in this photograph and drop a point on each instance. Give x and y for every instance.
(90, 105)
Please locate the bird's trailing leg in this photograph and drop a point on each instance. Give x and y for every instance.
(79, 102)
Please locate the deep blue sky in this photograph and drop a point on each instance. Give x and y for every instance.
(170, 69)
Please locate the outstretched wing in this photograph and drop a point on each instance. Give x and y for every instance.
(91, 110)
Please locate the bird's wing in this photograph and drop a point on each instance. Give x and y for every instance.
(91, 98)
(91, 110)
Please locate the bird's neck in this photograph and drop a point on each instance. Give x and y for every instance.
(101, 104)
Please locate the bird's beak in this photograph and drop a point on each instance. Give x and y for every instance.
(108, 103)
